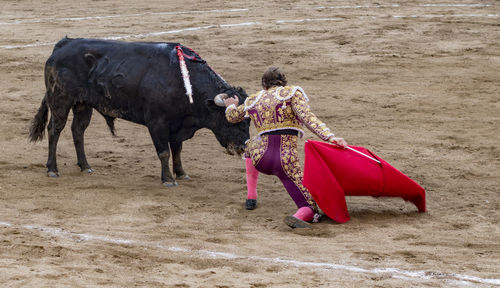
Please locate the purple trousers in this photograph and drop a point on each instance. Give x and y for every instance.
(277, 155)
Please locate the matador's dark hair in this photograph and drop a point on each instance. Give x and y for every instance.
(273, 77)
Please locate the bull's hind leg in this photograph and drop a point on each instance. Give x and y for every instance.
(176, 148)
(57, 122)
(81, 119)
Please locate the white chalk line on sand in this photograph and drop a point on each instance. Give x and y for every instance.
(393, 272)
(214, 26)
(40, 20)
(142, 35)
(308, 20)
(455, 5)
(472, 5)
(152, 34)
(359, 6)
(444, 16)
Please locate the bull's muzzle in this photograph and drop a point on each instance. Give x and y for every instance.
(233, 149)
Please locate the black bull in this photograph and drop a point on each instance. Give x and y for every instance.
(139, 82)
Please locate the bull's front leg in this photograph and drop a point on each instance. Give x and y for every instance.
(176, 148)
(160, 133)
(166, 176)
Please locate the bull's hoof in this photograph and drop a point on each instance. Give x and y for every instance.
(183, 177)
(170, 184)
(88, 170)
(251, 204)
(52, 174)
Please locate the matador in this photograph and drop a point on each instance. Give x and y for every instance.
(279, 113)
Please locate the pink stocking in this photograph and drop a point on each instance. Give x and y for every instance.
(252, 178)
(305, 214)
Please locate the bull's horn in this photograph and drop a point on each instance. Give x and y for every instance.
(219, 99)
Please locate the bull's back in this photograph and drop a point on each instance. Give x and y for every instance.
(110, 75)
(73, 53)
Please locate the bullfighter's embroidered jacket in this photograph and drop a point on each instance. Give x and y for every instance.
(279, 108)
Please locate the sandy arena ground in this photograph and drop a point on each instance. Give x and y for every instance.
(418, 84)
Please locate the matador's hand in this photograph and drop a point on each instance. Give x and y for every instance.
(338, 141)
(230, 101)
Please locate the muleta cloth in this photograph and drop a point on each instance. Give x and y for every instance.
(331, 173)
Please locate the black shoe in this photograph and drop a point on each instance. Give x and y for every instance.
(295, 222)
(251, 204)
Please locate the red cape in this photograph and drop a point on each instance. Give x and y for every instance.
(331, 173)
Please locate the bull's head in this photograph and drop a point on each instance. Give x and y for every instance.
(231, 136)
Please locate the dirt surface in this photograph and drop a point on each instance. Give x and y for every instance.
(417, 84)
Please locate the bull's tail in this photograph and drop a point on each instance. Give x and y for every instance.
(38, 123)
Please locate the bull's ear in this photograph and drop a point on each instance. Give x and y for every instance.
(91, 60)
